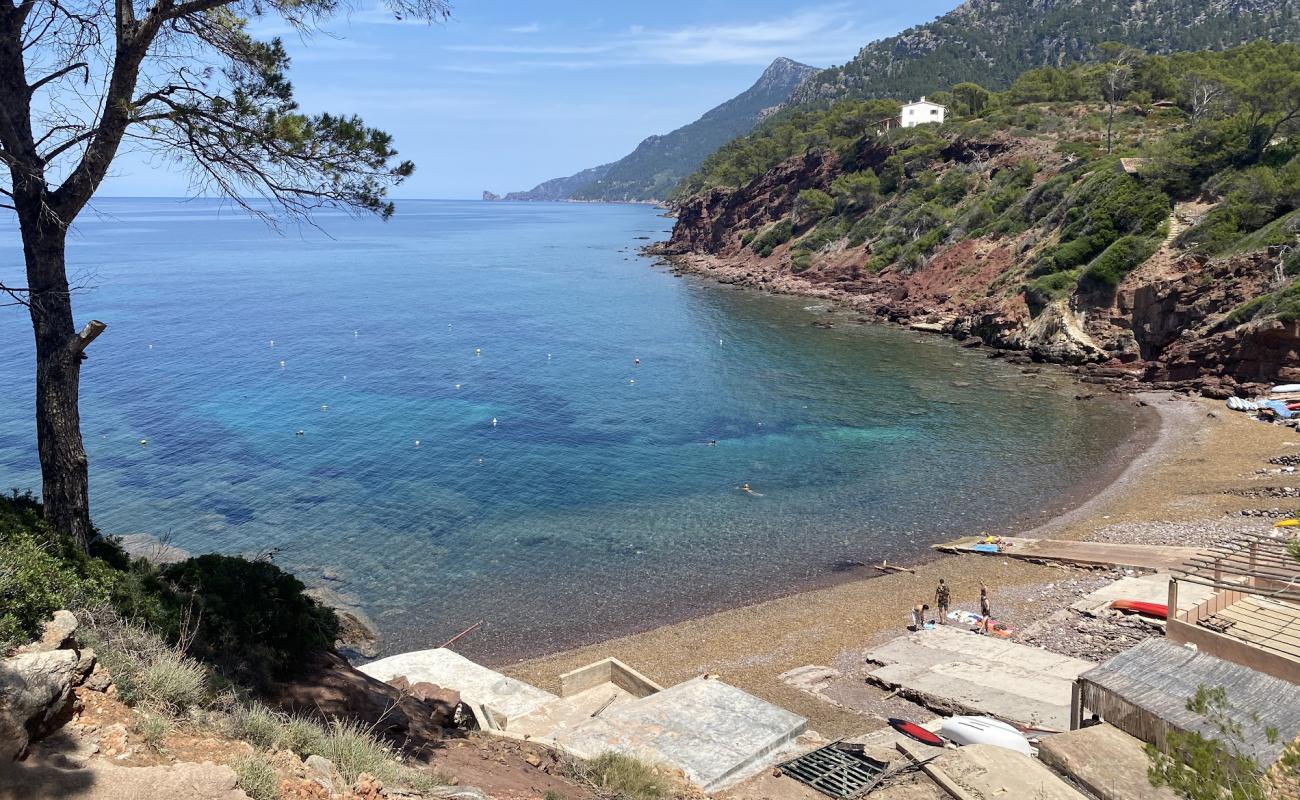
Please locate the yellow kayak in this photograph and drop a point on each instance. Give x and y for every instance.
(1287, 523)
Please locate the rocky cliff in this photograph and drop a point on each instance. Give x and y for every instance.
(979, 234)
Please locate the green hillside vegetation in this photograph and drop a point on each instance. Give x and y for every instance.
(248, 619)
(1221, 124)
(991, 42)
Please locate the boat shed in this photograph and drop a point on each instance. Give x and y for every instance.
(1144, 692)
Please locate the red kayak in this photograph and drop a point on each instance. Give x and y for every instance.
(914, 731)
(1153, 610)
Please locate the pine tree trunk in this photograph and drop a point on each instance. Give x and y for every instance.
(64, 474)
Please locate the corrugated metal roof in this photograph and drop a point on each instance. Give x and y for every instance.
(1160, 677)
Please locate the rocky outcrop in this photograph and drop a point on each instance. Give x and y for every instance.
(102, 781)
(490, 196)
(711, 223)
(34, 689)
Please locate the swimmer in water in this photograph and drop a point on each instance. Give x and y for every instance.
(745, 488)
(712, 443)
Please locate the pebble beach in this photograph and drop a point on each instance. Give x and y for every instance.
(1204, 474)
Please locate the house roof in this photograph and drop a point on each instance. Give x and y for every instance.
(1159, 677)
(924, 102)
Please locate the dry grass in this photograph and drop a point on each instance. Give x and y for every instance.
(148, 671)
(257, 778)
(619, 777)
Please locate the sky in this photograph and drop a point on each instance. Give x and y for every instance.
(508, 93)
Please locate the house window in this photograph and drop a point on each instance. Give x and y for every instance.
(934, 112)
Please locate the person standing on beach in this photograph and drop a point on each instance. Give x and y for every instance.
(986, 611)
(941, 599)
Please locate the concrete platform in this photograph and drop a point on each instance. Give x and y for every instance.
(1104, 760)
(983, 771)
(715, 733)
(955, 671)
(505, 697)
(1082, 554)
(548, 719)
(1147, 588)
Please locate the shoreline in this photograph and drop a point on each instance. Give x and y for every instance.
(1184, 477)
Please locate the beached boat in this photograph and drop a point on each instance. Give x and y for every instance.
(1153, 610)
(984, 730)
(914, 731)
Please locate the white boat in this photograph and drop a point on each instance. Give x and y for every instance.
(984, 730)
(1285, 388)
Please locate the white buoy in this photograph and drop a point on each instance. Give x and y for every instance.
(458, 386)
(273, 343)
(478, 352)
(281, 365)
(150, 347)
(494, 422)
(417, 442)
(324, 407)
(629, 380)
(144, 442)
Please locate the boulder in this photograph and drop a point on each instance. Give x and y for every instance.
(442, 702)
(102, 781)
(34, 688)
(56, 635)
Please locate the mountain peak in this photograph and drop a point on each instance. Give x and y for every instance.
(784, 72)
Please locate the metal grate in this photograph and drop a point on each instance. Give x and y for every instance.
(837, 770)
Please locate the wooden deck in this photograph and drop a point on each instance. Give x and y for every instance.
(1084, 554)
(1263, 623)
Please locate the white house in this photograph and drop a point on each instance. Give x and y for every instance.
(921, 112)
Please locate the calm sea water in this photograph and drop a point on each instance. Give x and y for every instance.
(593, 504)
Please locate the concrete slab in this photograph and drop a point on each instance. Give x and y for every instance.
(477, 684)
(715, 733)
(1085, 554)
(954, 671)
(1147, 588)
(1104, 760)
(569, 711)
(984, 772)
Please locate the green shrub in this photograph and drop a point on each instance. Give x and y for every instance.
(772, 238)
(1047, 288)
(252, 618)
(800, 262)
(41, 572)
(257, 778)
(623, 778)
(812, 206)
(856, 190)
(1122, 257)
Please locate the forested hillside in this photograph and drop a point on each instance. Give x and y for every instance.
(1017, 221)
(991, 42)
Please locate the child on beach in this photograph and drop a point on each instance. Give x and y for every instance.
(918, 616)
(986, 611)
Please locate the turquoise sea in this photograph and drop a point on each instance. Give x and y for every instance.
(594, 504)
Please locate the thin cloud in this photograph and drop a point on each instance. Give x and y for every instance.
(821, 34)
(532, 27)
